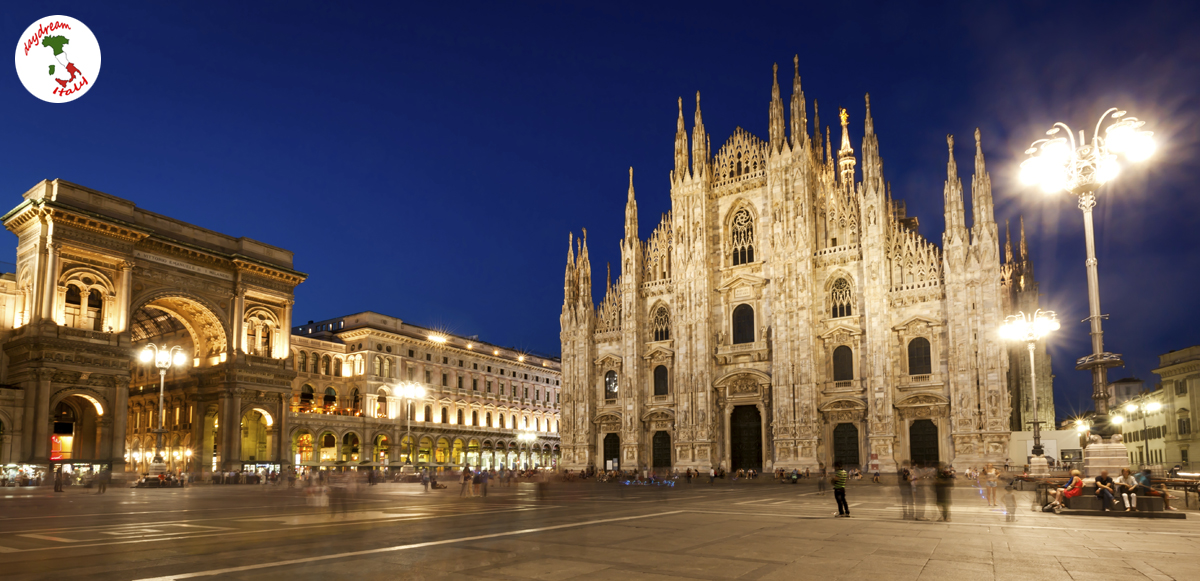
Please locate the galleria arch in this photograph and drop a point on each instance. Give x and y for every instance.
(97, 280)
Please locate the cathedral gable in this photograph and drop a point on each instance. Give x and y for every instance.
(741, 162)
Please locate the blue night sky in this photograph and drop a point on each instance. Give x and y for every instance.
(428, 161)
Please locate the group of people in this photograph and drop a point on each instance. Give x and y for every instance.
(1125, 487)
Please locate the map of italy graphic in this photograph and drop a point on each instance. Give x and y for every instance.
(56, 43)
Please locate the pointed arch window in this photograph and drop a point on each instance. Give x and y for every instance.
(741, 237)
(840, 298)
(919, 362)
(743, 324)
(660, 325)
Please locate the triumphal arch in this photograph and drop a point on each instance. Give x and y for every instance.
(96, 280)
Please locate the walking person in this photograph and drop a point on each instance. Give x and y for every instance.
(943, 488)
(839, 489)
(990, 478)
(466, 483)
(712, 475)
(821, 482)
(102, 480)
(904, 483)
(425, 478)
(483, 481)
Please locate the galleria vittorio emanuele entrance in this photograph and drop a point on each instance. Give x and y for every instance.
(98, 280)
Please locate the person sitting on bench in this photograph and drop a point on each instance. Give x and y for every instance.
(1073, 488)
(1105, 490)
(1127, 487)
(1145, 487)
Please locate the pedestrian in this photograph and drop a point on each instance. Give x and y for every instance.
(58, 480)
(904, 483)
(425, 478)
(821, 482)
(483, 479)
(943, 487)
(839, 489)
(712, 475)
(1145, 488)
(1010, 504)
(466, 483)
(990, 478)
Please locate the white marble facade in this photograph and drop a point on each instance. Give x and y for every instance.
(786, 287)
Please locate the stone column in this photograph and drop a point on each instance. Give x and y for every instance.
(283, 443)
(230, 428)
(121, 323)
(285, 331)
(103, 437)
(239, 323)
(120, 419)
(41, 417)
(60, 306)
(50, 282)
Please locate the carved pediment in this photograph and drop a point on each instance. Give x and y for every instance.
(742, 280)
(916, 322)
(840, 333)
(923, 399)
(663, 414)
(609, 361)
(845, 404)
(659, 352)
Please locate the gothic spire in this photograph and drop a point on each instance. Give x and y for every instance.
(1024, 249)
(699, 142)
(846, 159)
(681, 145)
(981, 189)
(776, 129)
(799, 117)
(956, 228)
(872, 166)
(631, 225)
(1008, 255)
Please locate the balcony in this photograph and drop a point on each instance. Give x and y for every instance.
(842, 387)
(920, 381)
(743, 352)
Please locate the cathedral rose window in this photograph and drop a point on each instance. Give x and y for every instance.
(742, 237)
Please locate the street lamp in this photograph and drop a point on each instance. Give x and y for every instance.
(409, 391)
(1060, 163)
(529, 438)
(1131, 408)
(163, 358)
(1031, 329)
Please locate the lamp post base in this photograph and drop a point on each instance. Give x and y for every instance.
(1039, 467)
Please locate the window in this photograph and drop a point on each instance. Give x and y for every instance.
(378, 366)
(428, 377)
(445, 416)
(488, 417)
(526, 392)
(474, 418)
(474, 385)
(428, 417)
(489, 368)
(743, 324)
(410, 353)
(445, 361)
(445, 380)
(1183, 456)
(1185, 426)
(428, 357)
(610, 385)
(660, 325)
(839, 299)
(741, 237)
(1181, 387)
(475, 365)
(411, 371)
(460, 362)
(460, 382)
(843, 364)
(489, 387)
(460, 417)
(918, 357)
(501, 389)
(660, 380)
(303, 362)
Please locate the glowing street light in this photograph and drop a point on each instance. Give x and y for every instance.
(1031, 329)
(1059, 163)
(409, 391)
(163, 359)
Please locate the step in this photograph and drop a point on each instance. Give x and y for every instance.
(1123, 513)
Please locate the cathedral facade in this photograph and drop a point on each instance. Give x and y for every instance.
(786, 313)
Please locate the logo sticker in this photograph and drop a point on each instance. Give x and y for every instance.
(58, 59)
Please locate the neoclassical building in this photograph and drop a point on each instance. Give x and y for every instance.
(787, 312)
(347, 406)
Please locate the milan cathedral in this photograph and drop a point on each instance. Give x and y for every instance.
(787, 313)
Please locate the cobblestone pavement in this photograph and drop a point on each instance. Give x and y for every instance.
(744, 530)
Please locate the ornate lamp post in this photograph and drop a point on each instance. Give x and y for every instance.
(409, 391)
(1059, 163)
(163, 359)
(1031, 329)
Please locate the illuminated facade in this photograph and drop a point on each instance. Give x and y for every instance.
(346, 406)
(787, 313)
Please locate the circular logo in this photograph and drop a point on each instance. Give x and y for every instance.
(58, 59)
